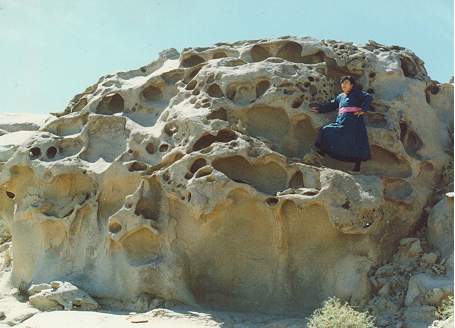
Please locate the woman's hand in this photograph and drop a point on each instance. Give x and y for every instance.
(359, 113)
(314, 109)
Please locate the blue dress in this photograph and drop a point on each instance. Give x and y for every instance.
(346, 139)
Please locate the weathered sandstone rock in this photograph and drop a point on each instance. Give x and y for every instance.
(183, 179)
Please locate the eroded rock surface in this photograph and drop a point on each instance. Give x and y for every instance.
(183, 180)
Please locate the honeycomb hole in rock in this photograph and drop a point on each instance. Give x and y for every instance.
(291, 51)
(34, 153)
(233, 62)
(386, 163)
(204, 141)
(408, 67)
(115, 227)
(80, 105)
(397, 189)
(316, 58)
(271, 201)
(310, 273)
(149, 204)
(70, 147)
(231, 92)
(166, 176)
(413, 144)
(300, 138)
(431, 89)
(427, 172)
(170, 128)
(137, 166)
(152, 93)
(163, 147)
(194, 72)
(215, 91)
(110, 104)
(434, 89)
(150, 148)
(426, 168)
(310, 193)
(107, 139)
(346, 205)
(231, 269)
(173, 76)
(191, 85)
(66, 126)
(259, 53)
(267, 122)
(296, 180)
(218, 114)
(10, 195)
(219, 54)
(335, 72)
(403, 130)
(240, 170)
(297, 102)
(51, 152)
(262, 87)
(65, 192)
(225, 135)
(197, 164)
(174, 156)
(376, 120)
(192, 60)
(141, 246)
(203, 171)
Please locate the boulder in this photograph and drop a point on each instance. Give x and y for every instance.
(184, 180)
(60, 296)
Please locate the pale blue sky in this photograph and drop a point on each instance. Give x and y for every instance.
(51, 50)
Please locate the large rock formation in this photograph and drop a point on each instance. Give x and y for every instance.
(183, 180)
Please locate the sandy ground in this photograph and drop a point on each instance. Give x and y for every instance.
(22, 315)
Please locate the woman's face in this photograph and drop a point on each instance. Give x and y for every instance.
(346, 86)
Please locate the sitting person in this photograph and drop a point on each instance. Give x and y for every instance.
(346, 139)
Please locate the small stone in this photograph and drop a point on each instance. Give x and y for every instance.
(55, 284)
(385, 290)
(385, 271)
(429, 258)
(2, 315)
(34, 289)
(415, 248)
(138, 319)
(434, 296)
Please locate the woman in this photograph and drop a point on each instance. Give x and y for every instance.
(347, 138)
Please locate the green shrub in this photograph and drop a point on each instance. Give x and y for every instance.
(335, 314)
(445, 310)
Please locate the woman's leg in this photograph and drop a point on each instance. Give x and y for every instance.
(357, 165)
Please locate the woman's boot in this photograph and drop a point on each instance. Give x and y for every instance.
(357, 166)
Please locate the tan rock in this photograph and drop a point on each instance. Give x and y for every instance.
(428, 289)
(178, 180)
(60, 296)
(440, 228)
(419, 316)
